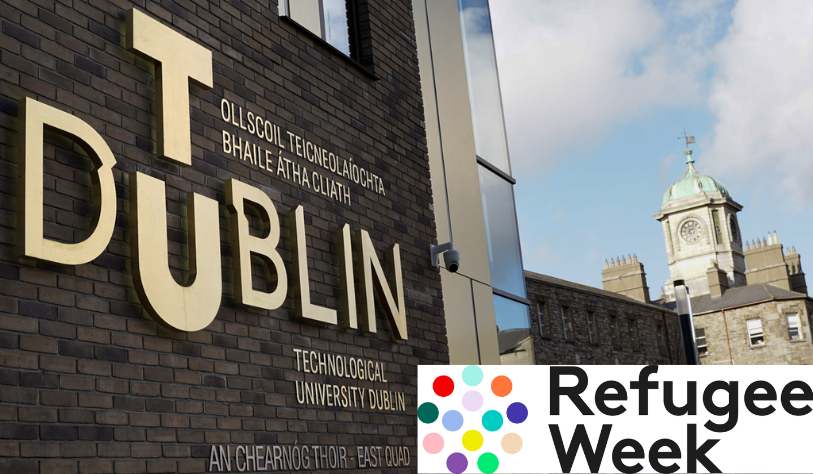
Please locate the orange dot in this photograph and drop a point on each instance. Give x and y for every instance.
(501, 386)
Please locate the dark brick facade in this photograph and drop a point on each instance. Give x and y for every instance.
(550, 295)
(88, 382)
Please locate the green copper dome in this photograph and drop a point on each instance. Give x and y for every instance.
(693, 183)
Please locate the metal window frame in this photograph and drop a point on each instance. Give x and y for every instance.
(541, 319)
(751, 335)
(592, 328)
(354, 29)
(798, 326)
(567, 326)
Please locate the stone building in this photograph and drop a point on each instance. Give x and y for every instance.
(578, 324)
(749, 300)
(753, 324)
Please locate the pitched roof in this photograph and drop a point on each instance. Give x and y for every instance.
(740, 296)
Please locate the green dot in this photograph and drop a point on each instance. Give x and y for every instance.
(488, 463)
(428, 413)
(472, 375)
(492, 420)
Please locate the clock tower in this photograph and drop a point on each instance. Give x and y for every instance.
(700, 230)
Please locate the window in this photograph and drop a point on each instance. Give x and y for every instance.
(490, 141)
(502, 235)
(513, 332)
(591, 327)
(326, 19)
(614, 331)
(755, 335)
(718, 233)
(633, 328)
(568, 329)
(661, 339)
(794, 334)
(541, 318)
(700, 340)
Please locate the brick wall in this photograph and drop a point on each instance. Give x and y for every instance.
(88, 382)
(555, 349)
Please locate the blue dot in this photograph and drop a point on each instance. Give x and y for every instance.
(472, 375)
(517, 413)
(452, 420)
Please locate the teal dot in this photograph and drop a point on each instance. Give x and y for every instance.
(472, 375)
(492, 420)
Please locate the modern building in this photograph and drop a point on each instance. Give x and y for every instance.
(215, 229)
(484, 301)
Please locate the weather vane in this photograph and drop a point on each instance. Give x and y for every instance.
(689, 139)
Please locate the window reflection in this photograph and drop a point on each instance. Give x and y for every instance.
(330, 23)
(513, 332)
(336, 32)
(501, 233)
(484, 85)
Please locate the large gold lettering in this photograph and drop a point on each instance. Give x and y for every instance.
(347, 296)
(177, 59)
(186, 308)
(246, 245)
(304, 308)
(372, 276)
(34, 117)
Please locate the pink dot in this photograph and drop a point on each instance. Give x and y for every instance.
(433, 443)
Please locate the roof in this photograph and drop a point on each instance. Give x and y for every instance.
(740, 296)
(589, 289)
(693, 183)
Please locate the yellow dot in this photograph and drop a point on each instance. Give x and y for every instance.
(472, 440)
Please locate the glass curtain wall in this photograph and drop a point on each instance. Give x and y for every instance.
(496, 185)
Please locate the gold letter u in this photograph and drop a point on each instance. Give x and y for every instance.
(186, 308)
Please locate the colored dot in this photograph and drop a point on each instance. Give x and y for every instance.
(501, 386)
(428, 412)
(452, 420)
(443, 386)
(457, 463)
(472, 401)
(517, 413)
(511, 443)
(492, 420)
(472, 375)
(488, 463)
(472, 440)
(433, 443)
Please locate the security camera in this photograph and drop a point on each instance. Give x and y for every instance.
(451, 257)
(452, 260)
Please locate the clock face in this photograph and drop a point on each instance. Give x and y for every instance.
(691, 231)
(735, 234)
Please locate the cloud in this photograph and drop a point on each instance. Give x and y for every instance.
(571, 71)
(762, 96)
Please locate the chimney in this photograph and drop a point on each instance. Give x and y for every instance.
(718, 281)
(765, 263)
(797, 277)
(628, 280)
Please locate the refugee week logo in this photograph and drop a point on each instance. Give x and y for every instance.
(471, 429)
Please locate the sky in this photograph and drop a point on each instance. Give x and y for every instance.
(596, 94)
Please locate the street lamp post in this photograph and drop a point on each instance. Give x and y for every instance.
(684, 310)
